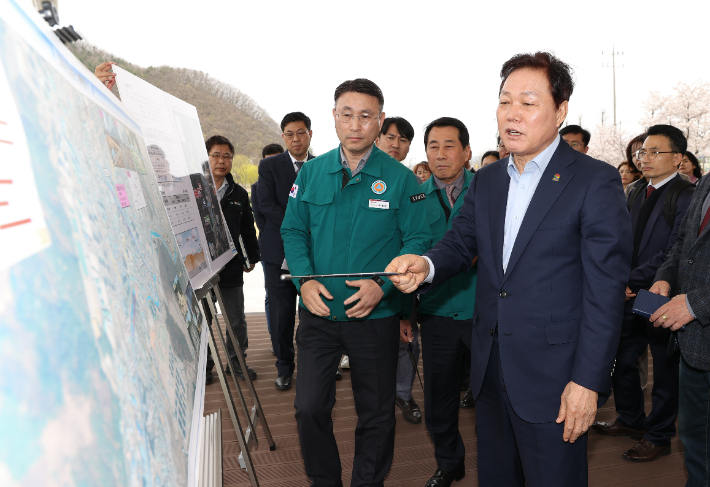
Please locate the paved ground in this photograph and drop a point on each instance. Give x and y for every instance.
(414, 456)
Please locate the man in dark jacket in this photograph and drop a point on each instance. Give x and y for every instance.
(236, 209)
(267, 151)
(653, 238)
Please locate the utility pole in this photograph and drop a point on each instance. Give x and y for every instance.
(613, 67)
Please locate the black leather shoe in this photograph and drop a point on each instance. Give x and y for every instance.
(410, 410)
(283, 382)
(614, 428)
(240, 373)
(444, 479)
(467, 401)
(646, 451)
(338, 374)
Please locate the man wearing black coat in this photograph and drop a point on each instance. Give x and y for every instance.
(236, 209)
(653, 237)
(276, 177)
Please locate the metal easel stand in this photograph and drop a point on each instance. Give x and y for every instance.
(207, 295)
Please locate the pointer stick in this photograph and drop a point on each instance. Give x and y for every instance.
(324, 276)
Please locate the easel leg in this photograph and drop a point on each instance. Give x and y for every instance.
(227, 394)
(259, 413)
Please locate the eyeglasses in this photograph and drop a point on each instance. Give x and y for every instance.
(224, 157)
(301, 134)
(501, 147)
(365, 119)
(641, 154)
(574, 144)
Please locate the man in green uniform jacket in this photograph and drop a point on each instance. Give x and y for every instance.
(351, 210)
(447, 311)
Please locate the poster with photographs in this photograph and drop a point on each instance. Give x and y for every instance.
(173, 137)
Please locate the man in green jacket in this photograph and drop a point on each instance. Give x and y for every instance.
(350, 210)
(447, 311)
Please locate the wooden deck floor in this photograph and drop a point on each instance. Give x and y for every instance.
(414, 454)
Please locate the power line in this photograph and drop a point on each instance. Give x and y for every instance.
(613, 67)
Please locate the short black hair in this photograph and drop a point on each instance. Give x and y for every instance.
(360, 85)
(491, 153)
(271, 150)
(448, 122)
(576, 129)
(676, 139)
(559, 73)
(404, 128)
(218, 140)
(697, 170)
(295, 117)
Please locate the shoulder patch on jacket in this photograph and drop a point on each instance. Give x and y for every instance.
(417, 197)
(294, 191)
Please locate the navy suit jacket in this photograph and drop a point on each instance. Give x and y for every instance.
(276, 176)
(559, 305)
(658, 237)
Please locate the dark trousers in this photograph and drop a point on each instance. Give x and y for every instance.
(282, 313)
(266, 301)
(372, 348)
(694, 422)
(515, 453)
(233, 298)
(637, 334)
(445, 343)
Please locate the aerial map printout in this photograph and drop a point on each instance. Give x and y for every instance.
(100, 332)
(171, 130)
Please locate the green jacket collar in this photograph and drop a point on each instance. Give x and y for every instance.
(429, 187)
(373, 166)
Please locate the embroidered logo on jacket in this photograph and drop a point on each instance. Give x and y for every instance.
(417, 197)
(294, 191)
(379, 187)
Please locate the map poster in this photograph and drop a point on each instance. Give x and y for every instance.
(173, 137)
(101, 346)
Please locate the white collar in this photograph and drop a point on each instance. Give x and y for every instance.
(294, 160)
(661, 183)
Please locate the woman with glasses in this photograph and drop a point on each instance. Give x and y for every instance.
(690, 167)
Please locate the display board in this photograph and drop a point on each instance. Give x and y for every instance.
(173, 137)
(100, 332)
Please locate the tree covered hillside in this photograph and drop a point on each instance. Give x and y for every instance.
(223, 109)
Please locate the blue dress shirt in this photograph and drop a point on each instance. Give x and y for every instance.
(520, 192)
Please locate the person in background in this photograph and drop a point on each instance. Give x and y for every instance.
(628, 172)
(422, 171)
(234, 201)
(395, 139)
(502, 151)
(576, 137)
(633, 146)
(276, 177)
(267, 151)
(447, 312)
(653, 238)
(489, 157)
(691, 167)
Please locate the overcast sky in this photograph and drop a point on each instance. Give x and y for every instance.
(431, 59)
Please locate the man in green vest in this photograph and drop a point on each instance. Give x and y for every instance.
(350, 210)
(446, 312)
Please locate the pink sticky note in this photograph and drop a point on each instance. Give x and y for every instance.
(122, 195)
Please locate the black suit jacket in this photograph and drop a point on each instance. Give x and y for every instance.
(258, 217)
(687, 269)
(658, 237)
(276, 176)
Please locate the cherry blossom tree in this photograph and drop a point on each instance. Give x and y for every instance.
(608, 142)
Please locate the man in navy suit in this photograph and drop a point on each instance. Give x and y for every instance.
(553, 236)
(653, 238)
(276, 177)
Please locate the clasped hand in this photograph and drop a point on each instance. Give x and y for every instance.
(368, 296)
